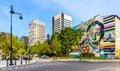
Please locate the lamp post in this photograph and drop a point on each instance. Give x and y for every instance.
(11, 13)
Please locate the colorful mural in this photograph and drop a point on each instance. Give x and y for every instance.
(95, 33)
(98, 37)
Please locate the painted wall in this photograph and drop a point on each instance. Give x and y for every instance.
(101, 38)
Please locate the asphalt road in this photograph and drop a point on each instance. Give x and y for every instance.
(67, 66)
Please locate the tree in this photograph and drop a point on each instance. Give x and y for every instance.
(17, 45)
(46, 48)
(7, 45)
(21, 49)
(41, 48)
(55, 44)
(2, 43)
(1, 40)
(68, 37)
(34, 49)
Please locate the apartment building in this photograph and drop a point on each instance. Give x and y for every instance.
(36, 31)
(60, 21)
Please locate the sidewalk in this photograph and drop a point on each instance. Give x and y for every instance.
(3, 63)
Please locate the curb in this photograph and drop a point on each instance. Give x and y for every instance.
(87, 60)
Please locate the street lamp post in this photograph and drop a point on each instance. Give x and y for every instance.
(11, 13)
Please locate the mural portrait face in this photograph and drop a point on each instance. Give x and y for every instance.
(95, 33)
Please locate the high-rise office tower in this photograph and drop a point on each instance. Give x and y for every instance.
(36, 31)
(60, 21)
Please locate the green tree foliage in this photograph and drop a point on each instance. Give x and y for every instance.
(41, 48)
(59, 42)
(47, 49)
(7, 45)
(17, 45)
(2, 43)
(33, 49)
(55, 44)
(68, 38)
(21, 49)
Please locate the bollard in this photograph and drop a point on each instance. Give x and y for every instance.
(15, 61)
(26, 61)
(21, 60)
(7, 63)
(29, 60)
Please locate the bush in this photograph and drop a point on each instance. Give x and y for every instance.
(88, 55)
(54, 57)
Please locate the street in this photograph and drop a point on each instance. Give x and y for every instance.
(66, 66)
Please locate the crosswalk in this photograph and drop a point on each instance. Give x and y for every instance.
(33, 65)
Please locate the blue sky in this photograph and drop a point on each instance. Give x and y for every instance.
(44, 10)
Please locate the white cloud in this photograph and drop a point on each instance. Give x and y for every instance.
(76, 7)
(86, 9)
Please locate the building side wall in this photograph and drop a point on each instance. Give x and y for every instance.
(103, 42)
(117, 39)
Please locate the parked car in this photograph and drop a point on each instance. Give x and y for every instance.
(25, 57)
(45, 57)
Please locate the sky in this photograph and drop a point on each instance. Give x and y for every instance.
(44, 10)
